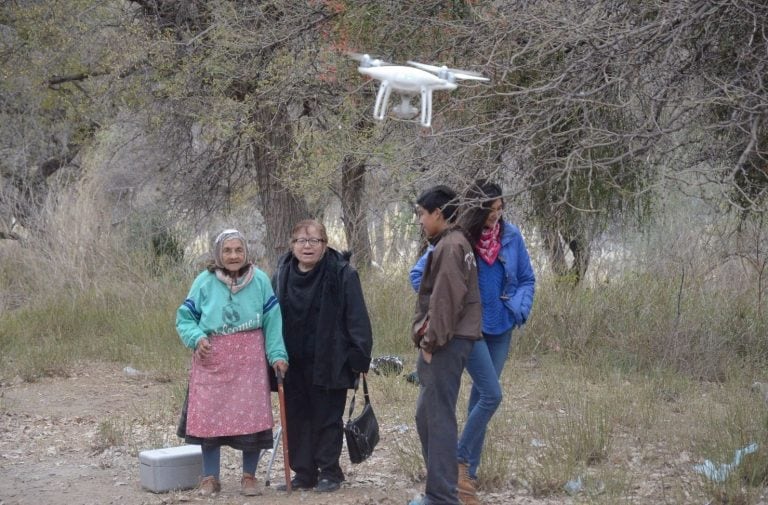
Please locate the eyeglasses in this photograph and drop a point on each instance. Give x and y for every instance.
(314, 242)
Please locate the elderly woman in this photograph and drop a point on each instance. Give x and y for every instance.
(232, 320)
(328, 337)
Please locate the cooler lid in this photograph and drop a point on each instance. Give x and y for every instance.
(171, 456)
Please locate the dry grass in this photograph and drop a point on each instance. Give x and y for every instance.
(626, 437)
(390, 304)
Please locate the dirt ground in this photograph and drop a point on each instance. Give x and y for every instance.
(75, 441)
(51, 450)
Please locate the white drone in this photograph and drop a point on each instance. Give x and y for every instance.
(418, 78)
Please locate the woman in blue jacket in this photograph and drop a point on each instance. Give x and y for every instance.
(507, 284)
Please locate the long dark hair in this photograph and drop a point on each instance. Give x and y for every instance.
(477, 206)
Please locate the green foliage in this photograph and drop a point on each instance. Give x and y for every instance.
(616, 364)
(67, 55)
(165, 245)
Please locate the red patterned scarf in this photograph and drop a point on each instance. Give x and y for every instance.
(489, 245)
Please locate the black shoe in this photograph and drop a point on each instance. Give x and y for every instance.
(296, 483)
(327, 486)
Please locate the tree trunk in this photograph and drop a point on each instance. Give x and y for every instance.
(353, 211)
(579, 247)
(553, 245)
(279, 205)
(555, 242)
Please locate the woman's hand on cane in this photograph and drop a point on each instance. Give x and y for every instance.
(280, 367)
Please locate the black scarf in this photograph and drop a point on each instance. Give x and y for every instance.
(301, 308)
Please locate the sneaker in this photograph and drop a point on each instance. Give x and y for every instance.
(209, 486)
(296, 483)
(327, 486)
(248, 485)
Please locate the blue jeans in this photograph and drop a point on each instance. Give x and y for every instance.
(486, 361)
(212, 461)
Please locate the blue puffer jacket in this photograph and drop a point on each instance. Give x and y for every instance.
(520, 281)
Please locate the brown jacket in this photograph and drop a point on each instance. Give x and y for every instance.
(448, 303)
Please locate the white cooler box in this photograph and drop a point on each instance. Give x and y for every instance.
(171, 468)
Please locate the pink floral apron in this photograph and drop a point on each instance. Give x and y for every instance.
(229, 390)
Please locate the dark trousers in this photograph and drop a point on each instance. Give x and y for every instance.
(315, 426)
(439, 383)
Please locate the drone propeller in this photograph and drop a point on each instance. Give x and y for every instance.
(449, 74)
(367, 61)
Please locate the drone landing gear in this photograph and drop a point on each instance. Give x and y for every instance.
(426, 107)
(404, 110)
(382, 99)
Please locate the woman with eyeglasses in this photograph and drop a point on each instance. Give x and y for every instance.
(328, 337)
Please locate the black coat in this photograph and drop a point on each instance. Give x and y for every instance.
(344, 339)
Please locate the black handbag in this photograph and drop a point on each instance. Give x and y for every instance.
(362, 432)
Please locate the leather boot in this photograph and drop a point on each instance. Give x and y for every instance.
(467, 489)
(209, 486)
(248, 485)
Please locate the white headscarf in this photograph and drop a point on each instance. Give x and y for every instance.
(219, 242)
(234, 284)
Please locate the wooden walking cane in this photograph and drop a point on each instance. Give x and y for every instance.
(284, 430)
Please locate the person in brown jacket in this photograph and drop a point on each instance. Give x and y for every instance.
(447, 322)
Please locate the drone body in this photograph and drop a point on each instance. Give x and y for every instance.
(408, 81)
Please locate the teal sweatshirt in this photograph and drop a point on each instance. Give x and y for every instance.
(210, 309)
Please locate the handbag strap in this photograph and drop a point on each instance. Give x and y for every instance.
(354, 395)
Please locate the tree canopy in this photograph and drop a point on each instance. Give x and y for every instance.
(593, 107)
